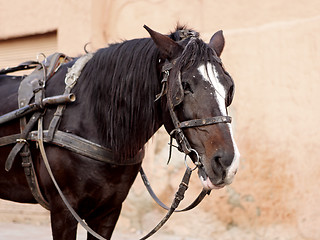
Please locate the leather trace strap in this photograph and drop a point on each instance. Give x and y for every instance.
(64, 199)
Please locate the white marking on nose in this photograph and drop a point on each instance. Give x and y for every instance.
(210, 74)
(233, 168)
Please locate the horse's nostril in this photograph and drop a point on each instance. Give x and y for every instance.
(220, 163)
(217, 166)
(224, 158)
(217, 161)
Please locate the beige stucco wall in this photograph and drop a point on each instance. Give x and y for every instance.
(273, 53)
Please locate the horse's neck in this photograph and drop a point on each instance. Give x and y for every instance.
(125, 133)
(121, 98)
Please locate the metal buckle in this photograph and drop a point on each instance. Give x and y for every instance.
(22, 140)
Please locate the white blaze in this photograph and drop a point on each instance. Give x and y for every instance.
(210, 74)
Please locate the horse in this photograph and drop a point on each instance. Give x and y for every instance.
(116, 108)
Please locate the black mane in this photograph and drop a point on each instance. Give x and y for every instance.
(121, 82)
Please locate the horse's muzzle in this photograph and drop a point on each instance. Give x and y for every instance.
(220, 171)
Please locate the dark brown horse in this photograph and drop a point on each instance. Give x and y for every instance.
(116, 108)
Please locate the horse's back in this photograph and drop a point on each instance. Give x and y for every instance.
(9, 86)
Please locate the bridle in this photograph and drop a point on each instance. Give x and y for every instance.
(177, 132)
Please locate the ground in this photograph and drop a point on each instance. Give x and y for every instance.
(28, 222)
(18, 231)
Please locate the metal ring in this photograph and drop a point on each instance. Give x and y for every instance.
(44, 58)
(197, 163)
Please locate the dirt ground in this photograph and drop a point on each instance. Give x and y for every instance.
(18, 231)
(29, 222)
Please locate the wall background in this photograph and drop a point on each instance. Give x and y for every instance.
(273, 53)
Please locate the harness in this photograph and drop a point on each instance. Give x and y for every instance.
(80, 145)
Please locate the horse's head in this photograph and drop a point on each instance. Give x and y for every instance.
(198, 91)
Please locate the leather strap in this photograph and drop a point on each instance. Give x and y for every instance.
(70, 81)
(75, 144)
(21, 139)
(46, 162)
(31, 177)
(161, 204)
(55, 121)
(204, 121)
(12, 155)
(22, 66)
(178, 197)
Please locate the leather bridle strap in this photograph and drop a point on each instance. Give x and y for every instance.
(204, 121)
(164, 206)
(178, 197)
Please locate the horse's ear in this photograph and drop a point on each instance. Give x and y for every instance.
(217, 42)
(168, 48)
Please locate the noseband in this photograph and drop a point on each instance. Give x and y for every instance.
(177, 133)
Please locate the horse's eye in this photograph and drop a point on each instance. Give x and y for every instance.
(229, 97)
(186, 87)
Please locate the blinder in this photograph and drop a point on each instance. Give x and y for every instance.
(175, 90)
